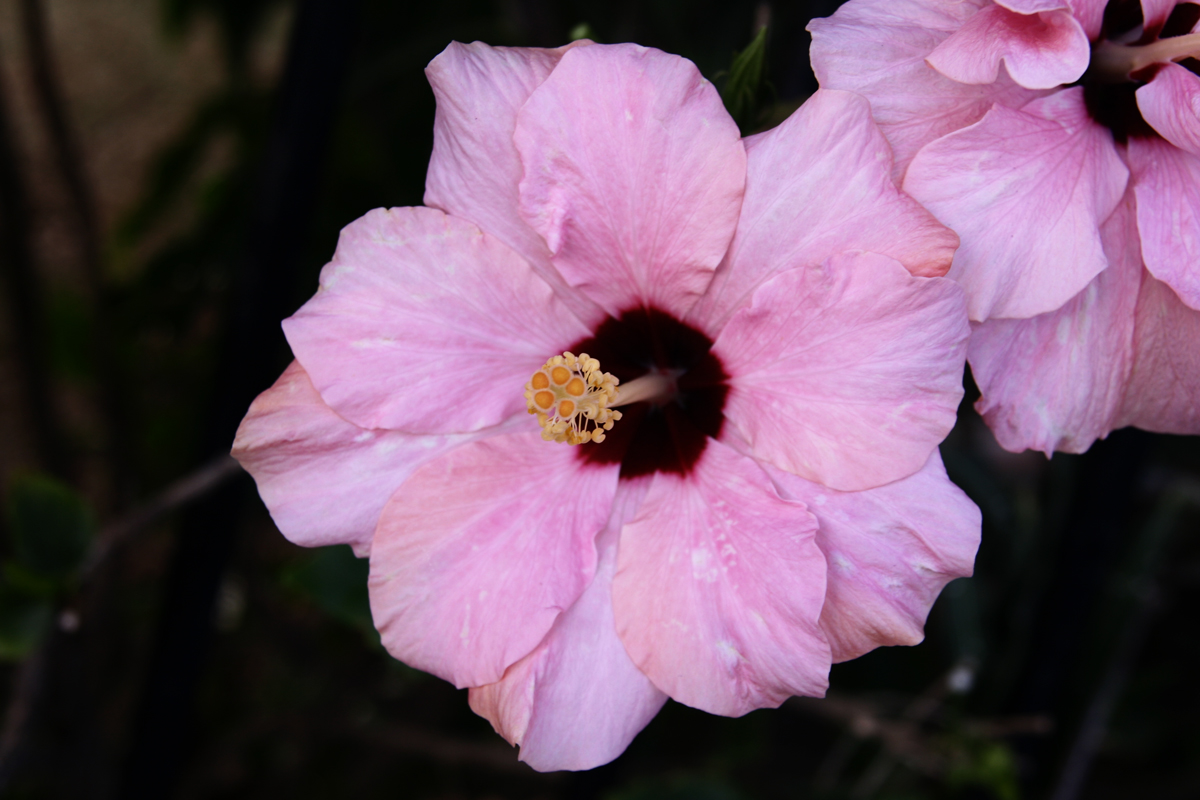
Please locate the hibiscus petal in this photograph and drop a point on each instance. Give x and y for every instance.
(1026, 191)
(475, 168)
(633, 174)
(719, 589)
(848, 373)
(1055, 381)
(878, 48)
(577, 700)
(1163, 394)
(426, 325)
(1040, 50)
(480, 550)
(1171, 104)
(1166, 181)
(890, 552)
(817, 185)
(1090, 14)
(1155, 13)
(323, 479)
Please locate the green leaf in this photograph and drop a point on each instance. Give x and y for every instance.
(335, 581)
(51, 525)
(746, 82)
(24, 621)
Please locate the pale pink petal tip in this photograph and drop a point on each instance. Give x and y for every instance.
(847, 373)
(633, 175)
(466, 582)
(475, 169)
(323, 479)
(576, 701)
(1041, 49)
(400, 335)
(719, 589)
(817, 185)
(890, 552)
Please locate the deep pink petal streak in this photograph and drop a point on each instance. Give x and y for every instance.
(1040, 50)
(480, 550)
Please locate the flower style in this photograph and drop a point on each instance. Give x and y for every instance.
(746, 340)
(1072, 176)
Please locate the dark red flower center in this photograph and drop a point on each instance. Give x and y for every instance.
(665, 436)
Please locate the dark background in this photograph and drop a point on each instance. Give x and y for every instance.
(173, 174)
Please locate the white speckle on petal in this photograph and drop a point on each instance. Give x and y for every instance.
(728, 653)
(703, 568)
(365, 436)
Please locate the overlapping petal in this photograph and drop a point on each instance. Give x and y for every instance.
(465, 582)
(1041, 49)
(1026, 190)
(846, 373)
(816, 185)
(1171, 104)
(419, 317)
(323, 479)
(1057, 381)
(1166, 181)
(633, 175)
(475, 168)
(1155, 13)
(719, 589)
(1090, 14)
(1163, 393)
(577, 700)
(890, 551)
(877, 48)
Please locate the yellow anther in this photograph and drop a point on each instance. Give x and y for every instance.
(571, 398)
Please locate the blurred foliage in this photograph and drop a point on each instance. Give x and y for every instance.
(51, 530)
(50, 525)
(746, 88)
(336, 582)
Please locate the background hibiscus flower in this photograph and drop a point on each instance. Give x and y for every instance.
(1058, 140)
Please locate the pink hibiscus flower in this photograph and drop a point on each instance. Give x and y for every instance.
(771, 498)
(1072, 175)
